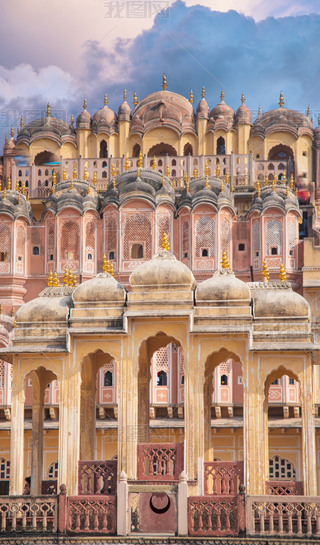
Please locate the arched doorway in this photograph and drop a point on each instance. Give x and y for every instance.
(136, 150)
(188, 149)
(221, 146)
(45, 157)
(162, 149)
(103, 153)
(283, 153)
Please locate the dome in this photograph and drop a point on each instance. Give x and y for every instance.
(282, 119)
(203, 109)
(163, 272)
(279, 301)
(124, 111)
(83, 120)
(223, 286)
(222, 111)
(103, 288)
(104, 116)
(45, 309)
(50, 127)
(243, 115)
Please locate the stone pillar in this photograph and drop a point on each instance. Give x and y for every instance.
(255, 430)
(208, 446)
(194, 423)
(127, 416)
(309, 466)
(69, 431)
(144, 387)
(17, 438)
(183, 505)
(122, 505)
(37, 433)
(88, 411)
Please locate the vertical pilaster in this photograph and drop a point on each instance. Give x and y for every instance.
(17, 439)
(37, 434)
(309, 466)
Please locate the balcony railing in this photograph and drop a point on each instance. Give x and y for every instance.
(160, 462)
(92, 514)
(28, 514)
(222, 478)
(97, 477)
(284, 488)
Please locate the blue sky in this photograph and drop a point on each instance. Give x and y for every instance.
(62, 51)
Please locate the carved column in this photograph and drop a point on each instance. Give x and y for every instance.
(309, 465)
(37, 433)
(17, 438)
(88, 411)
(208, 446)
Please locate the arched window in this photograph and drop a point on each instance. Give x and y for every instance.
(104, 174)
(205, 235)
(39, 172)
(5, 243)
(281, 468)
(39, 183)
(205, 252)
(188, 150)
(224, 380)
(20, 173)
(221, 146)
(103, 149)
(108, 379)
(53, 471)
(174, 162)
(182, 379)
(104, 164)
(4, 469)
(162, 149)
(274, 237)
(70, 241)
(46, 172)
(136, 251)
(241, 247)
(36, 250)
(46, 183)
(136, 150)
(173, 173)
(161, 378)
(27, 183)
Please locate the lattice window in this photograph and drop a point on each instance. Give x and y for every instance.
(281, 468)
(164, 227)
(185, 238)
(274, 237)
(225, 235)
(291, 236)
(181, 362)
(161, 358)
(205, 231)
(5, 241)
(256, 236)
(70, 241)
(111, 235)
(225, 367)
(137, 229)
(4, 469)
(21, 241)
(2, 373)
(53, 470)
(50, 239)
(90, 236)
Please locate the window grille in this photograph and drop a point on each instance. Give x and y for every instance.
(5, 240)
(90, 236)
(164, 227)
(70, 240)
(4, 469)
(225, 235)
(53, 470)
(185, 238)
(256, 236)
(281, 468)
(205, 232)
(291, 235)
(137, 229)
(274, 236)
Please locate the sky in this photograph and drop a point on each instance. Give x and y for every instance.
(62, 51)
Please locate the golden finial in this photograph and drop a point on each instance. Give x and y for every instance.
(113, 182)
(71, 183)
(259, 111)
(227, 177)
(11, 132)
(69, 277)
(111, 269)
(265, 271)
(206, 170)
(203, 92)
(108, 266)
(95, 178)
(173, 183)
(12, 312)
(207, 181)
(125, 95)
(50, 282)
(23, 188)
(85, 173)
(140, 160)
(14, 323)
(296, 193)
(242, 98)
(282, 274)
(126, 164)
(191, 97)
(17, 185)
(266, 180)
(165, 242)
(281, 102)
(232, 189)
(28, 197)
(274, 182)
(5, 139)
(105, 99)
(21, 122)
(218, 170)
(225, 260)
(64, 175)
(71, 119)
(308, 111)
(55, 280)
(85, 104)
(258, 189)
(164, 82)
(162, 181)
(287, 189)
(318, 210)
(284, 179)
(186, 181)
(291, 182)
(135, 100)
(74, 172)
(74, 281)
(19, 198)
(53, 190)
(221, 95)
(48, 110)
(66, 276)
(154, 164)
(113, 171)
(104, 263)
(9, 183)
(89, 189)
(167, 170)
(1, 308)
(138, 172)
(54, 179)
(195, 173)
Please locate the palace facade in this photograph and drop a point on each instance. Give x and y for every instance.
(159, 290)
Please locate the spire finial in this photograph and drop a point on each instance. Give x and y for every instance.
(265, 271)
(242, 98)
(95, 178)
(85, 104)
(281, 101)
(186, 181)
(167, 170)
(71, 120)
(259, 111)
(227, 177)
(125, 95)
(225, 260)
(284, 179)
(65, 276)
(221, 95)
(164, 82)
(274, 182)
(195, 172)
(207, 183)
(105, 99)
(140, 160)
(154, 164)
(48, 110)
(162, 181)
(104, 263)
(218, 170)
(191, 97)
(308, 111)
(111, 269)
(291, 182)
(74, 281)
(258, 189)
(54, 178)
(9, 184)
(21, 122)
(64, 176)
(85, 174)
(74, 172)
(19, 198)
(206, 170)
(55, 280)
(11, 132)
(50, 282)
(203, 93)
(165, 242)
(135, 100)
(126, 164)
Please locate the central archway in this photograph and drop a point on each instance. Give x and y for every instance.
(162, 149)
